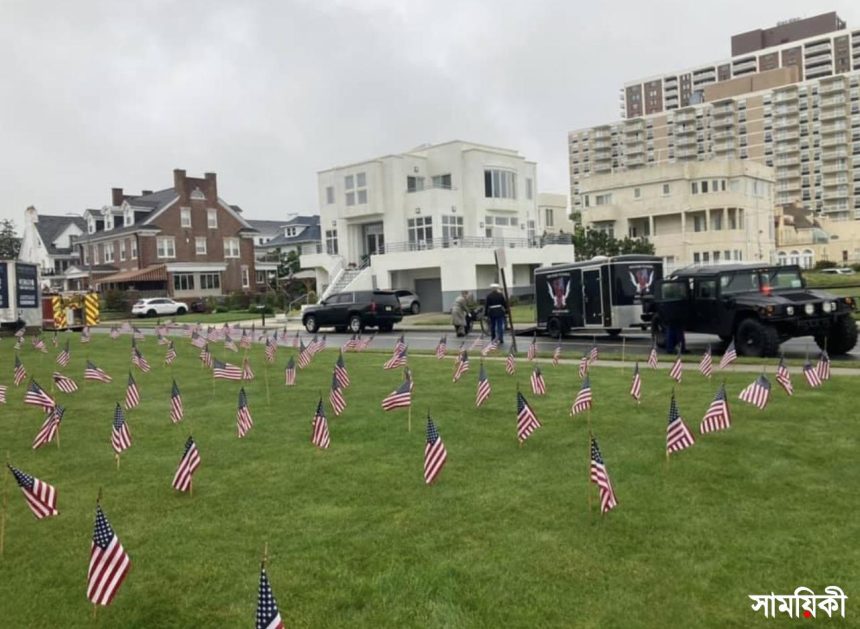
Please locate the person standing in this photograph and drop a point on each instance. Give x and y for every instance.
(459, 311)
(496, 307)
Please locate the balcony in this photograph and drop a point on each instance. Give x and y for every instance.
(788, 161)
(636, 148)
(475, 243)
(785, 122)
(830, 102)
(636, 160)
(685, 116)
(812, 49)
(839, 193)
(686, 154)
(829, 87)
(744, 66)
(722, 122)
(833, 140)
(785, 97)
(838, 167)
(817, 71)
(839, 153)
(833, 113)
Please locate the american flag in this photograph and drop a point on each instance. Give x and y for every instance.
(20, 374)
(538, 384)
(677, 369)
(225, 371)
(757, 393)
(206, 356)
(64, 383)
(811, 375)
(36, 396)
(678, 436)
(347, 346)
(176, 409)
(652, 357)
(20, 333)
(64, 356)
(109, 563)
(399, 345)
(198, 341)
(229, 344)
(592, 355)
(556, 354)
(162, 340)
(583, 398)
(462, 365)
(39, 344)
(319, 428)
(706, 365)
(271, 350)
(312, 346)
(296, 339)
(783, 377)
(583, 366)
(170, 356)
(442, 347)
(19, 343)
(114, 332)
(398, 360)
(600, 477)
(136, 334)
(188, 464)
(335, 396)
(532, 351)
(212, 335)
(477, 343)
(243, 414)
(120, 438)
(729, 356)
(490, 347)
(823, 366)
(319, 345)
(527, 421)
(50, 427)
(636, 385)
(94, 373)
(340, 371)
(2, 393)
(138, 360)
(399, 398)
(245, 341)
(435, 453)
(290, 373)
(717, 417)
(41, 497)
(268, 616)
(365, 343)
(483, 387)
(125, 328)
(85, 334)
(305, 355)
(511, 362)
(247, 372)
(132, 394)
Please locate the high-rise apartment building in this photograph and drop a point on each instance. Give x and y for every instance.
(789, 97)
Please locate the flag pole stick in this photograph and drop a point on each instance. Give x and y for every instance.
(116, 456)
(266, 376)
(409, 417)
(623, 349)
(5, 505)
(588, 472)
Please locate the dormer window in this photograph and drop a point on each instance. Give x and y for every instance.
(289, 232)
(128, 217)
(108, 220)
(91, 224)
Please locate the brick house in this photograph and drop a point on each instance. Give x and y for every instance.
(182, 241)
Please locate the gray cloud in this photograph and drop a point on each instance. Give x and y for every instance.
(101, 94)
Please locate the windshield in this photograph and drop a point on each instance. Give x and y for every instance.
(760, 280)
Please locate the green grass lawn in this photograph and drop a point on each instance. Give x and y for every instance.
(504, 539)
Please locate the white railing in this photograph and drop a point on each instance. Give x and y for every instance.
(334, 275)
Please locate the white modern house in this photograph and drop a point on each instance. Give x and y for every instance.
(430, 220)
(47, 241)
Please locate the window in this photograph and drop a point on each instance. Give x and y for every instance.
(349, 182)
(420, 229)
(350, 198)
(96, 254)
(200, 245)
(603, 199)
(706, 257)
(134, 248)
(500, 184)
(329, 195)
(699, 223)
(231, 247)
(356, 186)
(212, 219)
(108, 252)
(246, 277)
(716, 220)
(108, 220)
(183, 281)
(91, 225)
(185, 217)
(210, 281)
(331, 242)
(362, 197)
(86, 251)
(165, 247)
(694, 187)
(128, 217)
(291, 231)
(529, 188)
(452, 227)
(704, 187)
(414, 184)
(442, 181)
(360, 180)
(637, 193)
(549, 217)
(666, 189)
(716, 255)
(122, 250)
(696, 258)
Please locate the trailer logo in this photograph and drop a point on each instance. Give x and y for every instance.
(642, 278)
(559, 288)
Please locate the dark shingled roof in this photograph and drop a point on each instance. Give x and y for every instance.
(267, 226)
(309, 234)
(50, 227)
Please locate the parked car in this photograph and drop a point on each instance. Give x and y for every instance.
(158, 306)
(844, 270)
(408, 301)
(758, 307)
(354, 311)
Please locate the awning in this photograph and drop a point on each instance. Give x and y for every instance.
(156, 273)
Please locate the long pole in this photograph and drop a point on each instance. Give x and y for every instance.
(409, 417)
(623, 349)
(266, 376)
(507, 301)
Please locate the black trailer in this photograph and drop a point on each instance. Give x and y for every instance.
(604, 293)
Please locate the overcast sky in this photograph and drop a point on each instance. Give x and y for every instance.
(95, 95)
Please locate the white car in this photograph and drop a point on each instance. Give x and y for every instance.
(158, 306)
(839, 271)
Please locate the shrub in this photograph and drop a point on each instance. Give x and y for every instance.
(239, 301)
(115, 300)
(825, 264)
(312, 297)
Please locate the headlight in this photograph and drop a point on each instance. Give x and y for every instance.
(825, 307)
(789, 310)
(809, 309)
(832, 306)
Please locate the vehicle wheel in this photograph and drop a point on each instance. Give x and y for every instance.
(613, 332)
(311, 324)
(754, 338)
(841, 338)
(658, 332)
(151, 313)
(553, 327)
(386, 327)
(180, 311)
(355, 324)
(415, 308)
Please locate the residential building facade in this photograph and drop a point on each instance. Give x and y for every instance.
(47, 241)
(429, 220)
(552, 214)
(277, 239)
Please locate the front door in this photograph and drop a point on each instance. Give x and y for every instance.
(591, 297)
(375, 244)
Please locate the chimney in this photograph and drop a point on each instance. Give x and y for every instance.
(211, 186)
(116, 197)
(145, 193)
(32, 215)
(179, 181)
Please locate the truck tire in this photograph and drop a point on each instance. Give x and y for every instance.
(754, 338)
(658, 332)
(311, 324)
(841, 338)
(554, 327)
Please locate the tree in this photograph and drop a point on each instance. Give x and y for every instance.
(288, 264)
(592, 242)
(10, 244)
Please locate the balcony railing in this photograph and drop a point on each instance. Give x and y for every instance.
(475, 242)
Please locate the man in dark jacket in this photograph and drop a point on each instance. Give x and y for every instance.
(496, 307)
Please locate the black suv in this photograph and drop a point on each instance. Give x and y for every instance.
(757, 306)
(354, 311)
